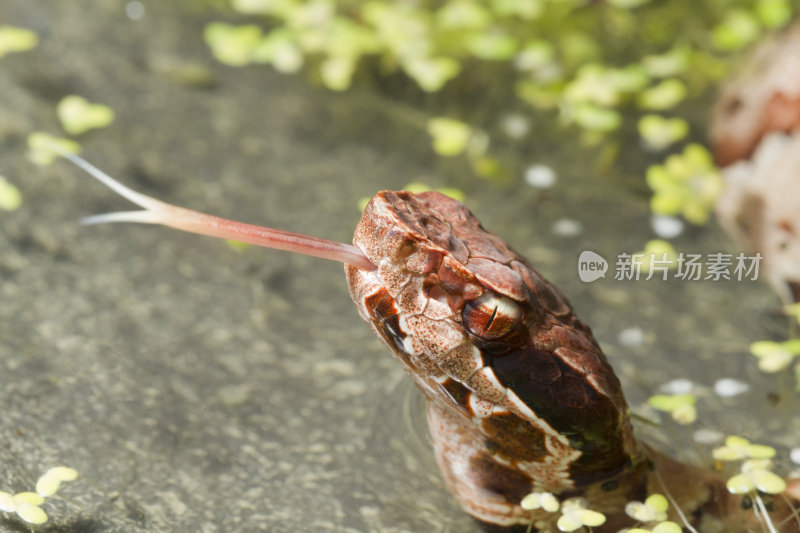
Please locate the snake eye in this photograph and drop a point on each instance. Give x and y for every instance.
(491, 316)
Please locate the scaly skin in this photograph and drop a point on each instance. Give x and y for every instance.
(520, 397)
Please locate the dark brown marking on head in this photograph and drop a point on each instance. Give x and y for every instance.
(564, 398)
(458, 394)
(515, 438)
(511, 484)
(385, 316)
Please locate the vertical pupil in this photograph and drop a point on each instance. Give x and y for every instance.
(490, 316)
(488, 325)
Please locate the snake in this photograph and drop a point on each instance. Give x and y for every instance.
(519, 395)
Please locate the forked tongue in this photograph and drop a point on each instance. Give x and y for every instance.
(158, 212)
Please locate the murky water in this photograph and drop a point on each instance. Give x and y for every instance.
(199, 388)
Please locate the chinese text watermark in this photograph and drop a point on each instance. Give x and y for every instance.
(683, 266)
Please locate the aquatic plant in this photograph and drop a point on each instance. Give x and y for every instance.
(687, 184)
(587, 61)
(680, 406)
(78, 115)
(14, 39)
(27, 504)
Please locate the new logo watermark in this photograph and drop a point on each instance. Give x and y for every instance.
(684, 266)
(591, 266)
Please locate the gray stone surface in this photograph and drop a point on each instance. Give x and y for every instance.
(201, 389)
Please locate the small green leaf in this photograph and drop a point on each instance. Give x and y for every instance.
(569, 522)
(524, 9)
(462, 15)
(431, 73)
(7, 502)
(591, 518)
(670, 402)
(773, 13)
(768, 482)
(232, 45)
(27, 497)
(740, 484)
(540, 500)
(668, 64)
(657, 502)
(664, 95)
(595, 118)
(450, 136)
(659, 132)
(684, 414)
(31, 513)
(78, 115)
(280, 49)
(49, 482)
(493, 46)
(10, 197)
(686, 183)
(40, 148)
(13, 39)
(740, 448)
(775, 356)
(337, 72)
(667, 527)
(737, 30)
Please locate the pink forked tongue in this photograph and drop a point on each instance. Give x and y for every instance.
(158, 212)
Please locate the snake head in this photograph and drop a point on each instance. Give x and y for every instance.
(490, 342)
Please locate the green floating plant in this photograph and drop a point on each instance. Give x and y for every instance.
(737, 448)
(666, 526)
(652, 511)
(739, 28)
(78, 115)
(604, 85)
(671, 63)
(756, 475)
(775, 356)
(450, 136)
(665, 95)
(14, 39)
(659, 132)
(687, 184)
(773, 13)
(27, 505)
(594, 118)
(793, 310)
(233, 45)
(575, 515)
(40, 151)
(658, 255)
(10, 197)
(540, 500)
(680, 406)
